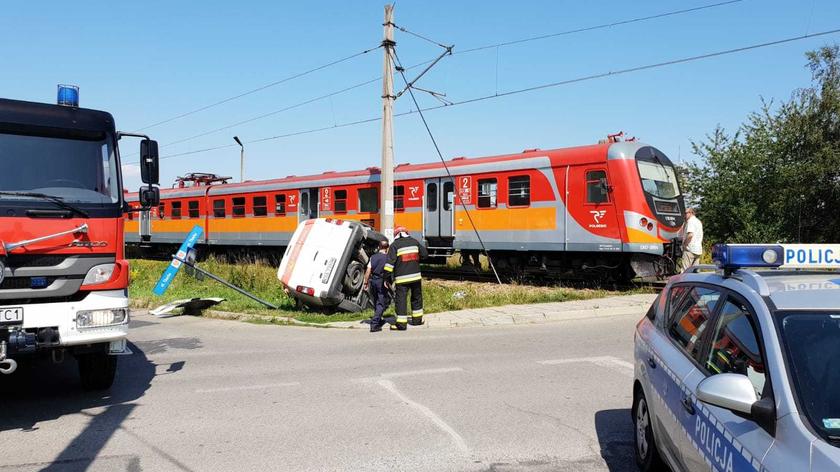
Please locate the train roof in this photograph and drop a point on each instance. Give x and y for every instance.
(529, 158)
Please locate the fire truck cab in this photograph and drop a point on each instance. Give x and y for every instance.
(63, 272)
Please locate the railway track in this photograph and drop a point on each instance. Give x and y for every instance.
(472, 275)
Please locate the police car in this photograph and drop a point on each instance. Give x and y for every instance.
(739, 369)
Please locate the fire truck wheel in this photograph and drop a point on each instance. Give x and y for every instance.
(97, 370)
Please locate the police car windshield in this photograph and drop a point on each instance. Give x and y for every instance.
(658, 180)
(812, 346)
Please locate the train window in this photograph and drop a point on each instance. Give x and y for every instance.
(519, 190)
(340, 201)
(193, 209)
(487, 193)
(238, 207)
(218, 208)
(399, 198)
(597, 190)
(368, 200)
(176, 210)
(260, 206)
(161, 210)
(448, 195)
(280, 205)
(431, 197)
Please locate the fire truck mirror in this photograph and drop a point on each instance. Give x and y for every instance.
(149, 196)
(149, 171)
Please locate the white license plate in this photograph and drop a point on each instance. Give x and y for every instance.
(11, 315)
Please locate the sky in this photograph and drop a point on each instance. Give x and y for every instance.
(147, 62)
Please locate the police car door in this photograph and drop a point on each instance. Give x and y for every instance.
(715, 435)
(671, 361)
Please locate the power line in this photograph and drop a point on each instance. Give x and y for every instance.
(263, 87)
(548, 85)
(352, 87)
(272, 113)
(597, 27)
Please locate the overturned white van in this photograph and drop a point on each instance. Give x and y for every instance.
(324, 264)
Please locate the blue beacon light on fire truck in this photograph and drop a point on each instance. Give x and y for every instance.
(68, 95)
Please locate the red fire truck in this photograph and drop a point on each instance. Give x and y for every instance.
(63, 273)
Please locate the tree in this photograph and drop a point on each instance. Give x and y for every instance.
(777, 179)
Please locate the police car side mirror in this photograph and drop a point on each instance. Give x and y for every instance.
(731, 391)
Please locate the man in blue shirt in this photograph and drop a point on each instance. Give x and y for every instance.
(375, 279)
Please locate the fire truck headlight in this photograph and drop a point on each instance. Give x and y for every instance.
(99, 274)
(100, 318)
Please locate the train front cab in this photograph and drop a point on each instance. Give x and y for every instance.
(651, 207)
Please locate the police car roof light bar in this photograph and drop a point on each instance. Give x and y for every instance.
(730, 257)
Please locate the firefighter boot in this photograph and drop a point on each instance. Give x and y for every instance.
(401, 324)
(416, 318)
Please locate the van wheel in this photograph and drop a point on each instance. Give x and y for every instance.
(647, 456)
(354, 278)
(97, 370)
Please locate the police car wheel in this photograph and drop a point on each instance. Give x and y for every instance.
(647, 456)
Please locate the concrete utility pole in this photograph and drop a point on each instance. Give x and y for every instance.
(386, 207)
(241, 158)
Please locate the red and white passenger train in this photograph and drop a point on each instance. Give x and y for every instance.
(611, 208)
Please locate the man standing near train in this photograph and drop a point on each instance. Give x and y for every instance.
(375, 279)
(403, 264)
(693, 240)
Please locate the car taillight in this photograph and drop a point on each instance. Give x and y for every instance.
(307, 290)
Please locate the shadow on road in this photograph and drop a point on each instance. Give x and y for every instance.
(615, 436)
(42, 391)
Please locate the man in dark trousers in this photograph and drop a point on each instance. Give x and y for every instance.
(375, 279)
(403, 264)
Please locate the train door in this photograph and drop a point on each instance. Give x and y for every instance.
(308, 204)
(591, 203)
(439, 209)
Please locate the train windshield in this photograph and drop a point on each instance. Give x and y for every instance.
(658, 180)
(73, 169)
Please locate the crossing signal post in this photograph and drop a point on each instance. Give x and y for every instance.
(186, 257)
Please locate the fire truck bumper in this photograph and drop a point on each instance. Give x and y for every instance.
(101, 317)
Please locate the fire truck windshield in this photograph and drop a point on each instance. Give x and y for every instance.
(75, 170)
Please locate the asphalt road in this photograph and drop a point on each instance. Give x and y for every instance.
(209, 395)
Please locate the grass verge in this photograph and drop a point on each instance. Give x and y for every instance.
(261, 280)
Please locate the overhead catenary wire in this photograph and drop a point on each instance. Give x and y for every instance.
(376, 79)
(258, 89)
(599, 26)
(409, 85)
(543, 86)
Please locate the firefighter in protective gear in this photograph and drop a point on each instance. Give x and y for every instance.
(403, 265)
